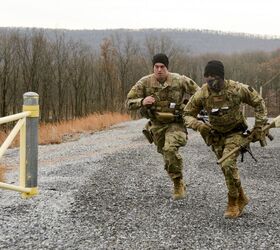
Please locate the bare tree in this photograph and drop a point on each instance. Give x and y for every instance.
(9, 74)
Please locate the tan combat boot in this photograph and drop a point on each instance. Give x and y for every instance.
(243, 200)
(179, 188)
(232, 210)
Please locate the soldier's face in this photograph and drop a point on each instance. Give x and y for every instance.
(214, 82)
(160, 71)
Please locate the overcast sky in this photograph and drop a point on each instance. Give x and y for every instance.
(245, 16)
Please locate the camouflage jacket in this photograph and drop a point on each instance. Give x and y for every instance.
(223, 108)
(173, 90)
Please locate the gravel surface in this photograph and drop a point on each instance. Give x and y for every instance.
(108, 190)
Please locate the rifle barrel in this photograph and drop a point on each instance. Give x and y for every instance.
(229, 154)
(274, 124)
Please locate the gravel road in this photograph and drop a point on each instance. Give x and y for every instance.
(108, 190)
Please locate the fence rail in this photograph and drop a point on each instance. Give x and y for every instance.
(27, 125)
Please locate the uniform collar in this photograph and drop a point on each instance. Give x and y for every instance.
(167, 82)
(226, 83)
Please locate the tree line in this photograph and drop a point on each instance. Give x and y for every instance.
(74, 80)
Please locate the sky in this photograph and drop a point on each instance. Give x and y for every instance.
(260, 17)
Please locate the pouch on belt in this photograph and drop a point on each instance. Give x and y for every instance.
(165, 117)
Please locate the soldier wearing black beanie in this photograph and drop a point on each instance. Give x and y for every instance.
(224, 131)
(160, 58)
(160, 97)
(214, 68)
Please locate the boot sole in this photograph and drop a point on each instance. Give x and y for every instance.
(232, 217)
(175, 198)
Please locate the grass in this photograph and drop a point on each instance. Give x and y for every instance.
(59, 132)
(2, 172)
(56, 133)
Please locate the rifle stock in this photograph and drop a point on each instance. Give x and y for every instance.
(275, 123)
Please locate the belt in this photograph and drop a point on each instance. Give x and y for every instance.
(240, 127)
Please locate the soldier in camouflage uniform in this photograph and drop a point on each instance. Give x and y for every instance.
(222, 99)
(160, 98)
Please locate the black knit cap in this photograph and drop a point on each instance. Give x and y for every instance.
(160, 58)
(214, 67)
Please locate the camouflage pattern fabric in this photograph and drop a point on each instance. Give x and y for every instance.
(173, 90)
(223, 108)
(168, 134)
(168, 138)
(229, 167)
(227, 121)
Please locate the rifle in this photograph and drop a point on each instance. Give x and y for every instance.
(203, 116)
(274, 124)
(147, 133)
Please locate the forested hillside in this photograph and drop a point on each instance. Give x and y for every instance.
(75, 79)
(196, 42)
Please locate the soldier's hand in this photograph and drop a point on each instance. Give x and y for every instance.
(204, 130)
(149, 100)
(257, 134)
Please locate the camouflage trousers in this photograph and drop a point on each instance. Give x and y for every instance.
(169, 138)
(223, 146)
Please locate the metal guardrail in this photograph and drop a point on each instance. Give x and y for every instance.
(27, 125)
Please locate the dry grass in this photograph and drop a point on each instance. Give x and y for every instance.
(59, 132)
(2, 173)
(3, 169)
(3, 136)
